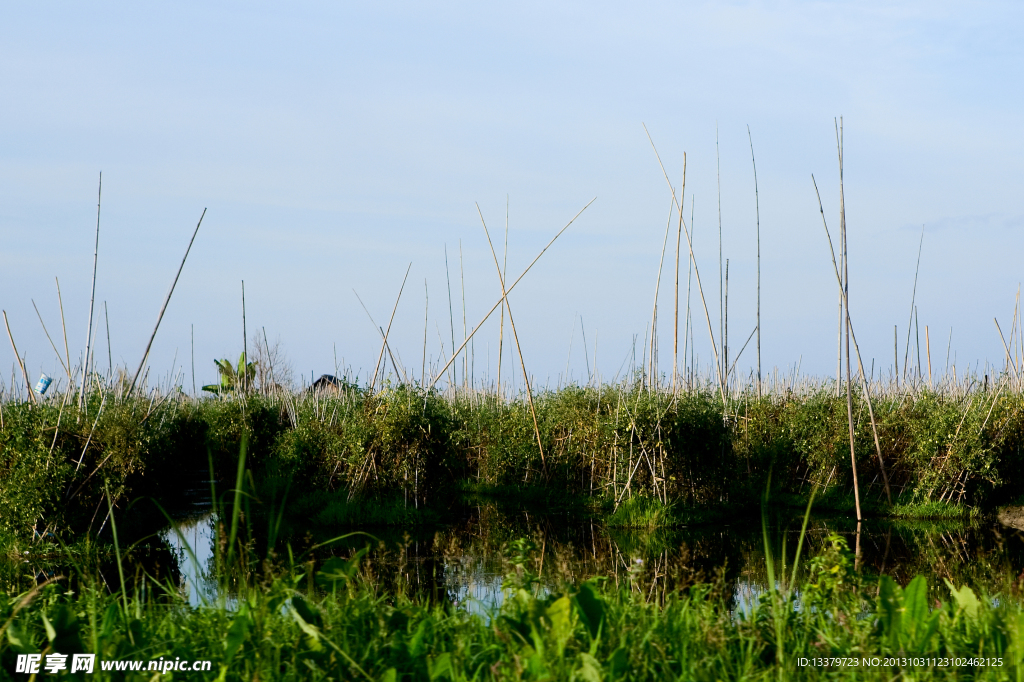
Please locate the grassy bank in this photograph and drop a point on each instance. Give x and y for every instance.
(398, 455)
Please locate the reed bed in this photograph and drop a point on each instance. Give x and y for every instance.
(957, 444)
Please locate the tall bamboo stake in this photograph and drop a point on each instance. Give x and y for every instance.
(451, 315)
(688, 330)
(846, 302)
(245, 347)
(501, 327)
(860, 361)
(896, 354)
(679, 239)
(64, 329)
(465, 358)
(928, 353)
(696, 271)
(721, 272)
(92, 297)
(757, 207)
(913, 305)
(657, 288)
(426, 315)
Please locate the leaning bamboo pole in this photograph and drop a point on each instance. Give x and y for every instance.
(696, 271)
(515, 335)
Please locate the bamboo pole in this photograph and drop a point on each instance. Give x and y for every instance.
(465, 358)
(913, 304)
(384, 345)
(757, 207)
(163, 308)
(928, 353)
(860, 363)
(21, 363)
(451, 316)
(110, 356)
(675, 327)
(652, 382)
(501, 326)
(64, 329)
(92, 297)
(696, 271)
(59, 358)
(515, 335)
(245, 347)
(846, 305)
(510, 288)
(426, 315)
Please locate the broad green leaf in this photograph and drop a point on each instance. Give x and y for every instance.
(310, 630)
(591, 608)
(589, 669)
(890, 607)
(237, 632)
(440, 666)
(19, 638)
(559, 615)
(966, 600)
(915, 605)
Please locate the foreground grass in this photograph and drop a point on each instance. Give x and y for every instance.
(335, 622)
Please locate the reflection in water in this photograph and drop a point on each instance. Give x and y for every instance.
(464, 563)
(192, 540)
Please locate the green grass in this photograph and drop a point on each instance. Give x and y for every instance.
(353, 454)
(332, 621)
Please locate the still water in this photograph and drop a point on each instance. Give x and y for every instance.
(465, 562)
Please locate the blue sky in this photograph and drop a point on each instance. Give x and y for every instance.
(335, 143)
